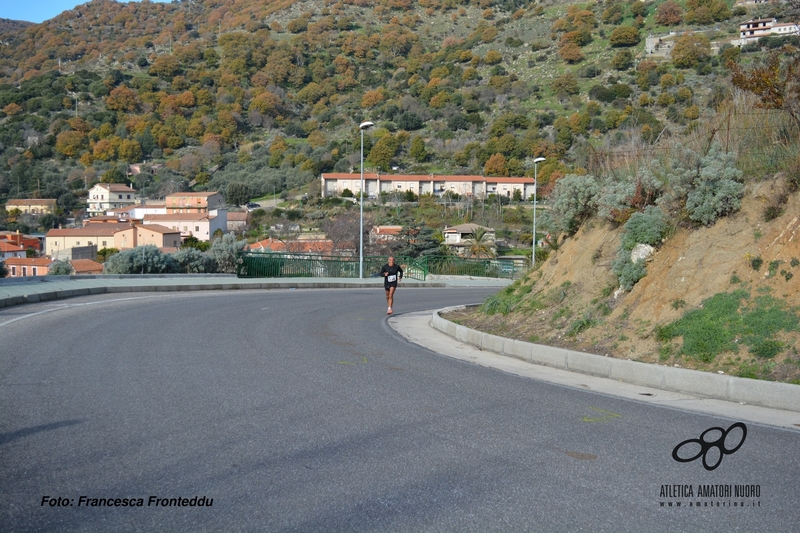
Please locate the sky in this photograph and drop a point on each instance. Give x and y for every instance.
(38, 10)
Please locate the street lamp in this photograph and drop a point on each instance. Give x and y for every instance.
(535, 185)
(362, 127)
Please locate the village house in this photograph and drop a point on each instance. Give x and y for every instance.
(162, 237)
(458, 237)
(9, 250)
(304, 246)
(33, 206)
(237, 220)
(26, 241)
(380, 235)
(75, 243)
(193, 202)
(201, 225)
(86, 266)
(20, 267)
(106, 196)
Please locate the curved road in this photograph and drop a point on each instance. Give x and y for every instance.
(302, 410)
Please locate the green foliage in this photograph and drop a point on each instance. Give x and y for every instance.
(628, 272)
(60, 268)
(225, 251)
(707, 185)
(648, 227)
(756, 262)
(193, 261)
(502, 302)
(573, 199)
(582, 324)
(238, 193)
(141, 260)
(722, 323)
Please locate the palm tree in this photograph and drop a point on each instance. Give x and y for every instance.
(480, 245)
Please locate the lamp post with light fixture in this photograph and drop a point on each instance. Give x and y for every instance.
(363, 126)
(535, 186)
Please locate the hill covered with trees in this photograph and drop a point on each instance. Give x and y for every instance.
(269, 94)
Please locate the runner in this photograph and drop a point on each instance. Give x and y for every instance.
(392, 274)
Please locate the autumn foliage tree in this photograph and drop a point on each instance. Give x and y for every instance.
(777, 86)
(690, 50)
(670, 13)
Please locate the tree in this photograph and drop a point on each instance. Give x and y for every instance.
(122, 99)
(571, 53)
(690, 50)
(624, 36)
(496, 165)
(623, 60)
(418, 151)
(777, 86)
(670, 13)
(480, 244)
(238, 193)
(566, 83)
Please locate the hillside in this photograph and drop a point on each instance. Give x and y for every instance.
(574, 301)
(269, 94)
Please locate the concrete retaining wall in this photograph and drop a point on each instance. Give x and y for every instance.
(702, 384)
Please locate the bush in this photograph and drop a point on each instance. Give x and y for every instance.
(648, 227)
(573, 199)
(192, 261)
(225, 252)
(628, 272)
(60, 268)
(707, 185)
(141, 260)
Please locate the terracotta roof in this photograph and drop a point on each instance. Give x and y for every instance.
(182, 217)
(158, 228)
(237, 216)
(29, 261)
(191, 194)
(100, 228)
(32, 201)
(8, 247)
(465, 228)
(86, 266)
(387, 230)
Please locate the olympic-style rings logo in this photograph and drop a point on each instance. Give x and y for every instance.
(708, 445)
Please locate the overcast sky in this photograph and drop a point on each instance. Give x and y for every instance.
(38, 10)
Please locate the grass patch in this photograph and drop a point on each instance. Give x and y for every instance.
(587, 321)
(728, 319)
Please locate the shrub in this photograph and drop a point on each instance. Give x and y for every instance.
(624, 36)
(141, 260)
(648, 227)
(573, 199)
(706, 185)
(60, 268)
(627, 271)
(225, 252)
(192, 261)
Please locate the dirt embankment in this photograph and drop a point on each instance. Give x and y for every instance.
(573, 299)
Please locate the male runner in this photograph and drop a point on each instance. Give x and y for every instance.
(392, 274)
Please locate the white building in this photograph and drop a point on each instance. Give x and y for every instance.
(334, 184)
(106, 196)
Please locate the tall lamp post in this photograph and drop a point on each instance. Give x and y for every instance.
(535, 186)
(362, 127)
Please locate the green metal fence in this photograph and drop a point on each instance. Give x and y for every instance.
(288, 265)
(283, 265)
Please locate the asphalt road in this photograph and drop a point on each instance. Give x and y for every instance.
(302, 410)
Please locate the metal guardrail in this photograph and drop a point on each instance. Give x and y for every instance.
(288, 265)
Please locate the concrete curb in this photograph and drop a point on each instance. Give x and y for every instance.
(722, 387)
(39, 295)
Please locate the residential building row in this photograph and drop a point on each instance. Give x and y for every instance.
(334, 184)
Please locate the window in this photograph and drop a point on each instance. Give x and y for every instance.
(120, 196)
(24, 271)
(185, 228)
(35, 272)
(104, 244)
(197, 228)
(77, 243)
(13, 270)
(129, 197)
